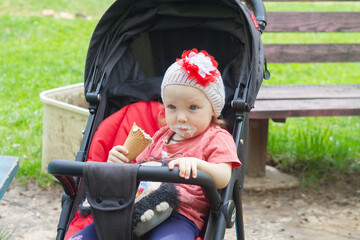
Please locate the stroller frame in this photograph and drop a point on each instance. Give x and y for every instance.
(226, 205)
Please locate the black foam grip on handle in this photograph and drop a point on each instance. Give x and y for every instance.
(259, 12)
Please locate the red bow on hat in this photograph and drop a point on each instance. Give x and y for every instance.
(199, 65)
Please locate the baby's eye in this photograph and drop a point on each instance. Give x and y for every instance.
(193, 107)
(171, 106)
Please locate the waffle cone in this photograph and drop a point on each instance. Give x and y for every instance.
(136, 142)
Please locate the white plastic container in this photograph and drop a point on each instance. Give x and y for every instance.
(64, 120)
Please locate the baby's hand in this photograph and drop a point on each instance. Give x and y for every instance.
(117, 155)
(186, 165)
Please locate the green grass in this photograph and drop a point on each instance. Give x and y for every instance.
(39, 53)
(92, 8)
(317, 148)
(313, 73)
(5, 234)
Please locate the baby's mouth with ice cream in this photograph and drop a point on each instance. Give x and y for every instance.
(183, 130)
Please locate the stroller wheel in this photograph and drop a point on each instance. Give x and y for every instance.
(229, 211)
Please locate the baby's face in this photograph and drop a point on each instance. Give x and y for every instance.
(188, 111)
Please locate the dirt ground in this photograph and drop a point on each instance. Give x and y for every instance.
(330, 211)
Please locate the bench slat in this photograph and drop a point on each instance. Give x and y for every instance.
(313, 22)
(8, 169)
(332, 91)
(305, 53)
(280, 109)
(285, 101)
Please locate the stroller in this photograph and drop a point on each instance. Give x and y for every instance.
(130, 50)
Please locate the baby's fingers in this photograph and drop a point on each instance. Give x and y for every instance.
(172, 164)
(117, 154)
(194, 168)
(178, 163)
(120, 149)
(185, 168)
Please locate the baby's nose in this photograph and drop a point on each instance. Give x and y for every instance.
(181, 117)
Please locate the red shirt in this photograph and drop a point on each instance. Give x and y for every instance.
(214, 145)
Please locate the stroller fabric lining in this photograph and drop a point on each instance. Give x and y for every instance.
(114, 129)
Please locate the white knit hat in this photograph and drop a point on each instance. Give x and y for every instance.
(199, 70)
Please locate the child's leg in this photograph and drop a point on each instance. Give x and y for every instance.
(177, 227)
(88, 233)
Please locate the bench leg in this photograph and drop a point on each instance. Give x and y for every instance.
(257, 145)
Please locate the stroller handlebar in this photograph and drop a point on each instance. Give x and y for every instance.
(259, 12)
(145, 173)
(66, 168)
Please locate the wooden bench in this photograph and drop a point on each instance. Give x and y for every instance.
(281, 102)
(8, 169)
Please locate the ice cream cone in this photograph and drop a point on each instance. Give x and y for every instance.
(136, 142)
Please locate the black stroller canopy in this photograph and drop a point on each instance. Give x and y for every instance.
(135, 42)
